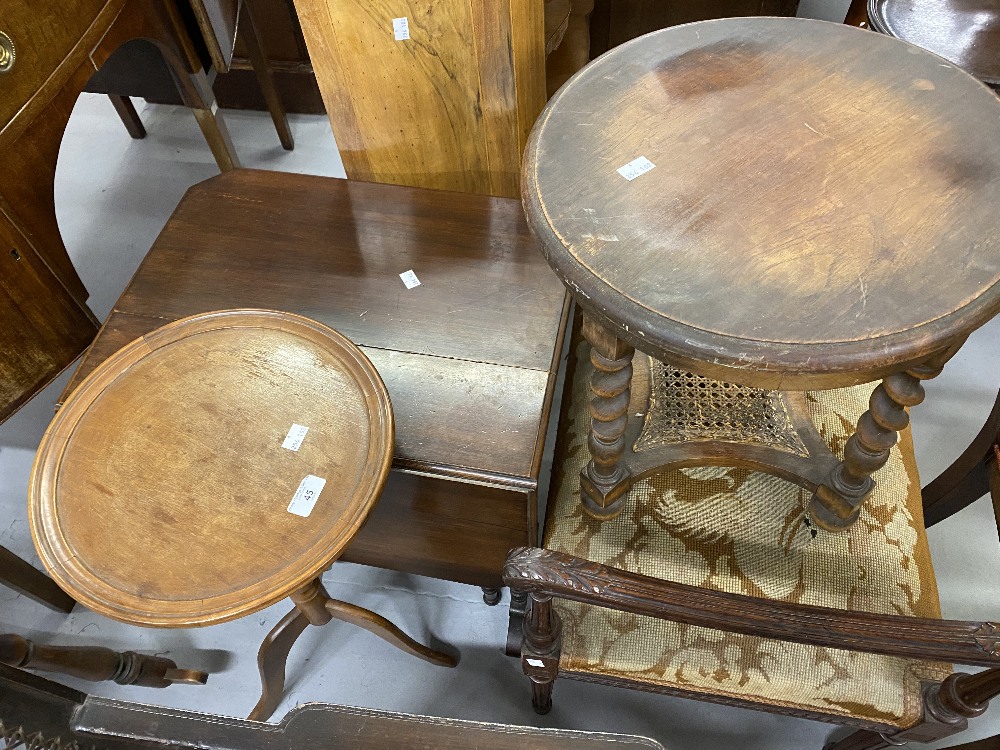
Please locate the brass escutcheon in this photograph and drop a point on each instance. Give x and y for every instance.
(7, 54)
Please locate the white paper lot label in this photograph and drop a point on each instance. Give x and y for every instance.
(401, 28)
(636, 168)
(409, 279)
(306, 496)
(294, 438)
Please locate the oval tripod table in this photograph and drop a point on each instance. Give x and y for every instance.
(779, 204)
(212, 468)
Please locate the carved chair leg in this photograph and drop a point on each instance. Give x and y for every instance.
(605, 481)
(378, 625)
(271, 660)
(491, 596)
(265, 78)
(540, 650)
(837, 502)
(96, 663)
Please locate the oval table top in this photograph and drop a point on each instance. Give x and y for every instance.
(821, 207)
(173, 488)
(965, 32)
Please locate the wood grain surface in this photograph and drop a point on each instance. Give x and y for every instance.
(965, 32)
(43, 328)
(469, 357)
(448, 108)
(822, 208)
(40, 48)
(161, 491)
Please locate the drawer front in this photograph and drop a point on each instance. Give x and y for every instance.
(42, 34)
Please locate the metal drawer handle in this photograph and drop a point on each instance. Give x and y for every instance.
(7, 54)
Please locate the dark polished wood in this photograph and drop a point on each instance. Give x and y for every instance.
(469, 356)
(857, 14)
(965, 32)
(96, 664)
(618, 21)
(545, 572)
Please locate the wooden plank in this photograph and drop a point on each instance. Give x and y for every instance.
(433, 110)
(492, 36)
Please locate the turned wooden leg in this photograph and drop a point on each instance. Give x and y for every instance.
(96, 664)
(605, 481)
(491, 596)
(378, 625)
(540, 650)
(265, 78)
(837, 502)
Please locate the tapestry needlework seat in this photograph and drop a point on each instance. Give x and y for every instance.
(746, 532)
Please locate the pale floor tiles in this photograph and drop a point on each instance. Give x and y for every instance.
(113, 196)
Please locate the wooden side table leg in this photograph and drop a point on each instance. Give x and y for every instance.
(837, 501)
(605, 481)
(273, 655)
(378, 625)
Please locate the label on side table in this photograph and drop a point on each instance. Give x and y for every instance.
(636, 168)
(306, 496)
(409, 279)
(295, 436)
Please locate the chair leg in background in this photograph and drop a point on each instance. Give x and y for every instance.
(16, 574)
(129, 117)
(265, 78)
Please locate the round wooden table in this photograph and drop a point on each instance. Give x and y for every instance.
(212, 468)
(778, 203)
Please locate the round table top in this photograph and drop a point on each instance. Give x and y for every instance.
(177, 486)
(777, 202)
(966, 32)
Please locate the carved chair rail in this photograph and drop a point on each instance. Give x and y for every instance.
(543, 573)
